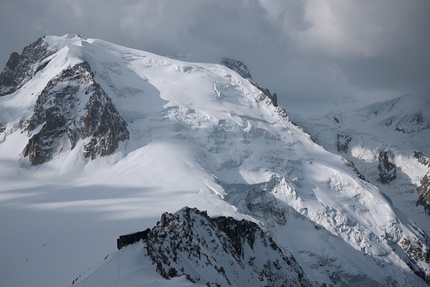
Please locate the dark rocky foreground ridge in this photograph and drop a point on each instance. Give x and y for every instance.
(219, 251)
(223, 251)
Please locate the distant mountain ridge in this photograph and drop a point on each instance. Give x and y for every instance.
(387, 142)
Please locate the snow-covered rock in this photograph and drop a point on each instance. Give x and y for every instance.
(20, 69)
(73, 106)
(103, 139)
(220, 251)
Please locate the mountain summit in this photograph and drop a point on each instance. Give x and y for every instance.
(99, 140)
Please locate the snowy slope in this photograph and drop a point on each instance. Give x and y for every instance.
(396, 128)
(200, 135)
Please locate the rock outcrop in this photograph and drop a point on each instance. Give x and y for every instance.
(418, 256)
(20, 69)
(424, 187)
(220, 251)
(424, 193)
(342, 143)
(243, 71)
(387, 170)
(73, 106)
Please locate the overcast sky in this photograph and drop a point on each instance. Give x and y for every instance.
(324, 50)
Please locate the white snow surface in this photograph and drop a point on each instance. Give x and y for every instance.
(201, 137)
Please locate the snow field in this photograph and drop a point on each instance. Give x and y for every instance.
(199, 137)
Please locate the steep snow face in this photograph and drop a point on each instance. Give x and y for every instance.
(200, 135)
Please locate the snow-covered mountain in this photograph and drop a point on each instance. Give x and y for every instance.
(99, 140)
(388, 142)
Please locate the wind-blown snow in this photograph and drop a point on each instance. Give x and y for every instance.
(201, 136)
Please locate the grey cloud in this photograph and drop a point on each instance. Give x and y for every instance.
(319, 49)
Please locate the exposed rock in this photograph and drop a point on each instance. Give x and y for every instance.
(387, 170)
(336, 119)
(20, 69)
(422, 159)
(238, 67)
(357, 172)
(189, 243)
(74, 106)
(243, 71)
(424, 187)
(418, 252)
(342, 143)
(424, 193)
(413, 124)
(265, 95)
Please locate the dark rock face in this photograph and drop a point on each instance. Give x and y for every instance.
(20, 69)
(424, 193)
(424, 187)
(189, 243)
(238, 67)
(243, 71)
(74, 106)
(422, 159)
(342, 143)
(417, 251)
(351, 165)
(387, 170)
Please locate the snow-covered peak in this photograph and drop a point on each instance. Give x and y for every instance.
(129, 135)
(59, 42)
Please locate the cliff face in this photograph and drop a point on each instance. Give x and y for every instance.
(243, 71)
(387, 170)
(20, 69)
(220, 251)
(73, 106)
(424, 186)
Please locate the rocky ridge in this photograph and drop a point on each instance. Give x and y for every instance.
(73, 106)
(243, 71)
(20, 69)
(220, 251)
(387, 170)
(424, 187)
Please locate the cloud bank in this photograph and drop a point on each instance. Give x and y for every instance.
(318, 50)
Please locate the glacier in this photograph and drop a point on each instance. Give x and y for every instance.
(198, 135)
